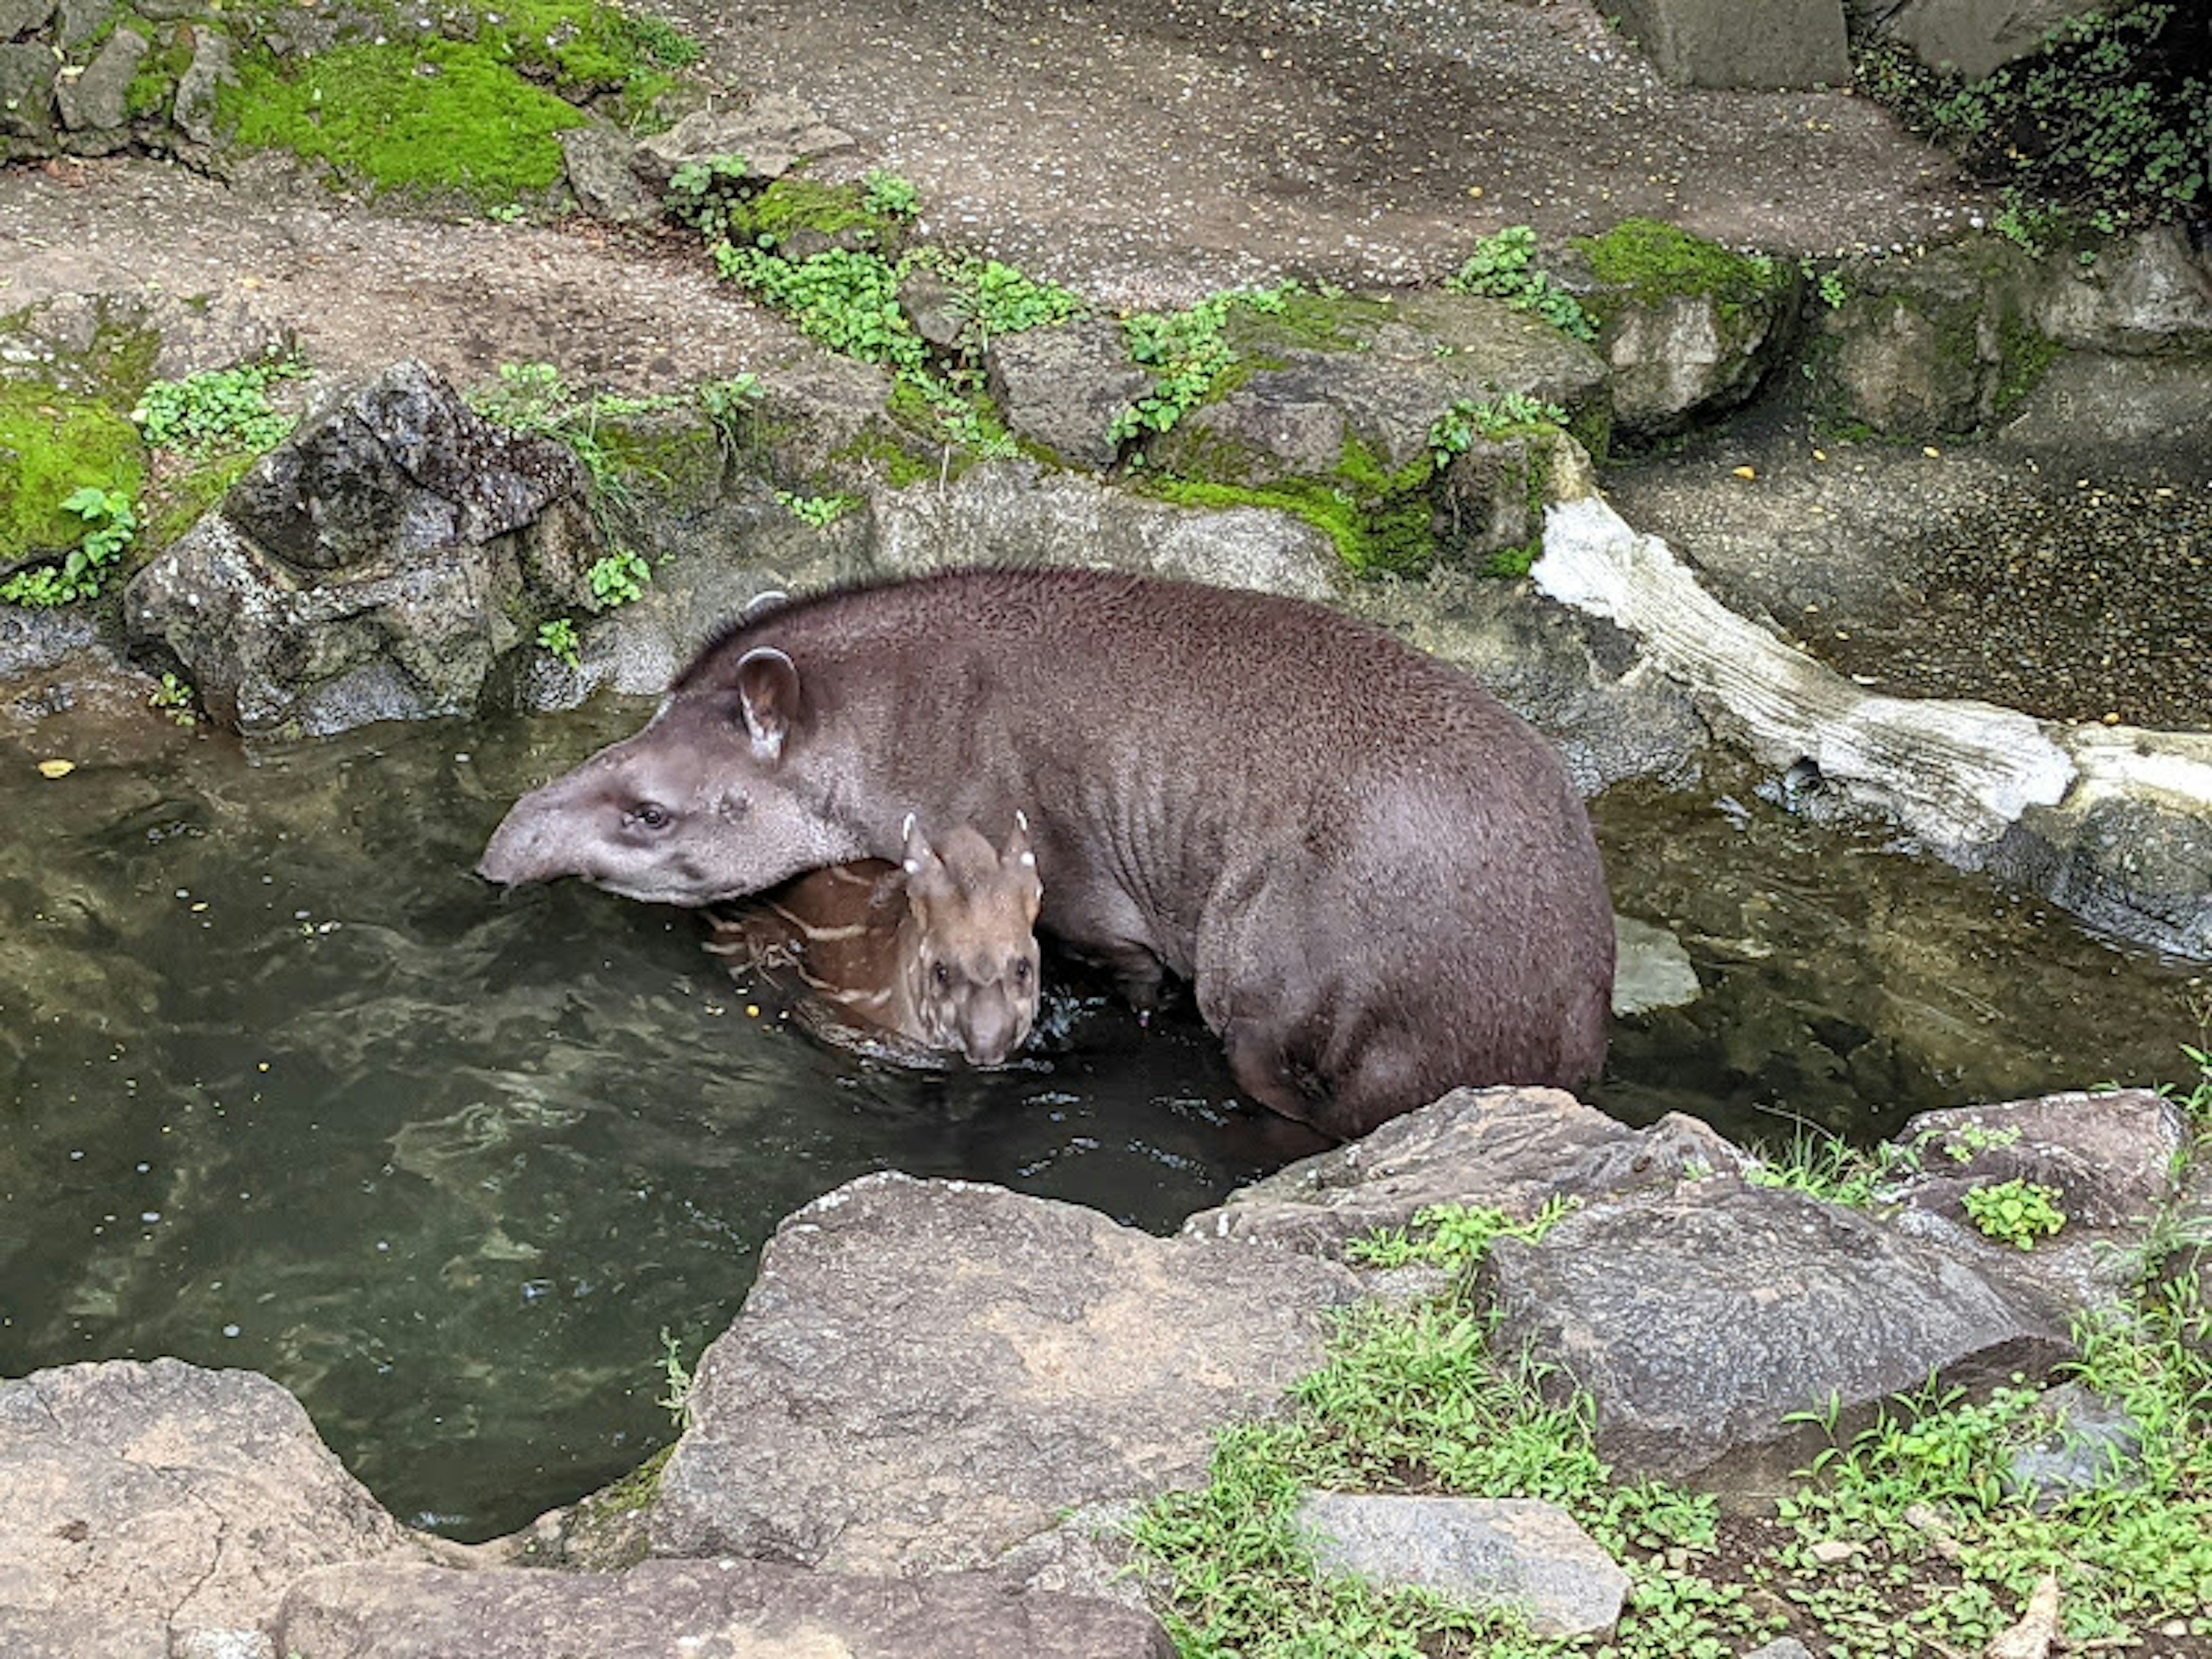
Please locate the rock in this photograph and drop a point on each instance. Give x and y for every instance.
(1786, 1647)
(194, 112)
(2110, 1155)
(1699, 1319)
(1062, 387)
(600, 160)
(933, 305)
(928, 1373)
(1394, 365)
(375, 566)
(1689, 328)
(2127, 850)
(774, 133)
(1577, 678)
(1495, 491)
(1946, 342)
(1520, 1553)
(1977, 37)
(1018, 514)
(97, 100)
(78, 20)
(20, 17)
(2088, 1444)
(160, 1508)
(26, 98)
(1716, 43)
(661, 1607)
(2150, 293)
(2091, 412)
(1651, 970)
(1504, 1149)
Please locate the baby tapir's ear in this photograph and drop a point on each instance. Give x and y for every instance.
(1017, 855)
(767, 699)
(926, 876)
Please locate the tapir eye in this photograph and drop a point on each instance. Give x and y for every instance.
(1021, 970)
(648, 815)
(939, 975)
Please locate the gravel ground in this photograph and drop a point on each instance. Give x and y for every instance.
(2076, 591)
(1150, 150)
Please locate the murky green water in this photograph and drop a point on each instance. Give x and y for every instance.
(282, 1085)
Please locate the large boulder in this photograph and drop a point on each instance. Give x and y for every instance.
(1699, 1321)
(378, 565)
(161, 1508)
(1976, 37)
(1514, 1150)
(927, 1374)
(661, 1607)
(1722, 43)
(1062, 387)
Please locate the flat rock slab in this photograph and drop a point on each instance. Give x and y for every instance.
(1506, 1149)
(1517, 1552)
(728, 1609)
(160, 1504)
(928, 1373)
(1699, 1319)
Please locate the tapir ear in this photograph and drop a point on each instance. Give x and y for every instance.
(768, 696)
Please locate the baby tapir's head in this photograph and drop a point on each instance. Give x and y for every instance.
(970, 950)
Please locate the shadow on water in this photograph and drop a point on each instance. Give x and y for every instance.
(286, 1087)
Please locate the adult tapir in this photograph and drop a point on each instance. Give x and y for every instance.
(1377, 879)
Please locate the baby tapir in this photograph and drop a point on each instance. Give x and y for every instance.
(937, 952)
(1377, 879)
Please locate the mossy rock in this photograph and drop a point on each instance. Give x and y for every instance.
(799, 217)
(1688, 327)
(1940, 345)
(53, 442)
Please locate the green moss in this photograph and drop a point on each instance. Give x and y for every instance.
(184, 498)
(896, 459)
(2027, 354)
(53, 442)
(417, 117)
(1308, 321)
(795, 204)
(1657, 261)
(1382, 519)
(678, 452)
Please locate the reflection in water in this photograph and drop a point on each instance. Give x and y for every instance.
(284, 1086)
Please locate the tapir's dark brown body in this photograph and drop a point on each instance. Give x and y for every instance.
(1377, 877)
(937, 953)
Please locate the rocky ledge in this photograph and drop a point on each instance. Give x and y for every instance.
(941, 1399)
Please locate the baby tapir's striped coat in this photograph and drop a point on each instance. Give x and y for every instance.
(938, 953)
(1377, 879)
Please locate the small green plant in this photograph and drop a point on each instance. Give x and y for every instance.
(1829, 285)
(218, 410)
(1188, 353)
(2014, 1211)
(557, 639)
(819, 511)
(111, 523)
(1454, 432)
(704, 194)
(175, 698)
(844, 299)
(1503, 267)
(678, 1381)
(619, 577)
(1458, 1235)
(891, 195)
(2108, 126)
(506, 213)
